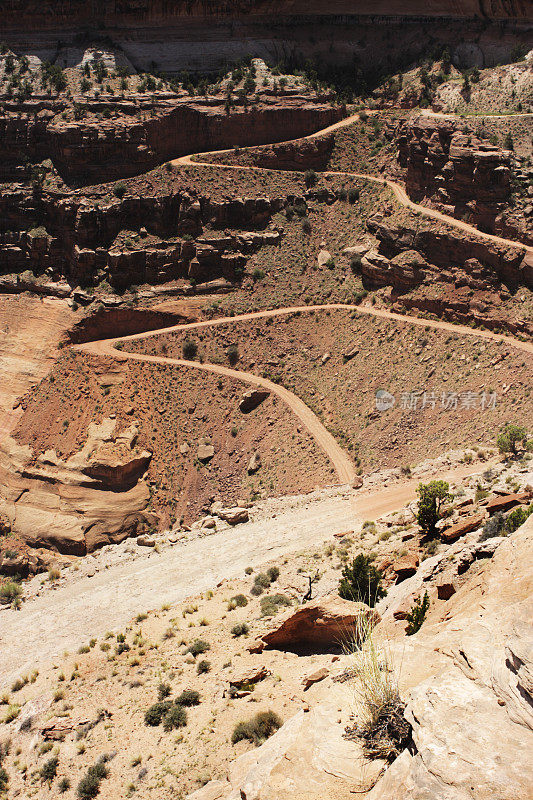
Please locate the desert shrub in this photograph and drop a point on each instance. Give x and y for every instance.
(188, 697)
(176, 717)
(154, 715)
(262, 579)
(306, 226)
(353, 195)
(382, 728)
(240, 629)
(510, 437)
(361, 581)
(258, 729)
(190, 349)
(271, 604)
(48, 770)
(417, 615)
(89, 786)
(163, 690)
(431, 498)
(494, 526)
(10, 592)
(12, 713)
(517, 518)
(310, 178)
(197, 647)
(4, 779)
(203, 667)
(273, 574)
(240, 600)
(63, 785)
(233, 354)
(256, 590)
(119, 190)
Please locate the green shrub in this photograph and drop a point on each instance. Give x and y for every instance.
(271, 604)
(163, 690)
(262, 579)
(89, 786)
(353, 195)
(417, 614)
(154, 715)
(240, 600)
(203, 667)
(4, 779)
(241, 629)
(48, 770)
(273, 574)
(63, 785)
(306, 226)
(176, 717)
(510, 437)
(256, 590)
(517, 518)
(119, 190)
(361, 581)
(233, 354)
(197, 647)
(431, 498)
(190, 349)
(188, 697)
(10, 592)
(258, 729)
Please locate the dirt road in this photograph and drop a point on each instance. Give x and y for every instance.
(63, 618)
(342, 463)
(397, 189)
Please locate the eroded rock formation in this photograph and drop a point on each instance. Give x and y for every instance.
(75, 505)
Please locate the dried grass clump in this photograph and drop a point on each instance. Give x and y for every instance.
(382, 727)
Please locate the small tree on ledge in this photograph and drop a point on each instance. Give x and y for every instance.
(431, 498)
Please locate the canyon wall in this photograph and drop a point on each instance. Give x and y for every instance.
(159, 11)
(126, 145)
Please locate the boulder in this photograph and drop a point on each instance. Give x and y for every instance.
(405, 567)
(146, 541)
(235, 515)
(320, 625)
(323, 257)
(445, 588)
(505, 502)
(251, 399)
(249, 677)
(315, 677)
(205, 452)
(460, 528)
(254, 464)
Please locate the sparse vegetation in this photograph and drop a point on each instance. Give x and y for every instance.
(417, 614)
(432, 496)
(258, 729)
(361, 581)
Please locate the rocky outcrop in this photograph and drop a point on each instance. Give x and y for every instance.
(97, 151)
(95, 497)
(471, 713)
(321, 624)
(468, 177)
(252, 399)
(79, 238)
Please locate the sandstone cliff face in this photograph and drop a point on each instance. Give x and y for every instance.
(95, 497)
(449, 167)
(131, 12)
(100, 151)
(77, 237)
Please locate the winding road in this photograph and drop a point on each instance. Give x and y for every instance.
(87, 606)
(342, 463)
(397, 189)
